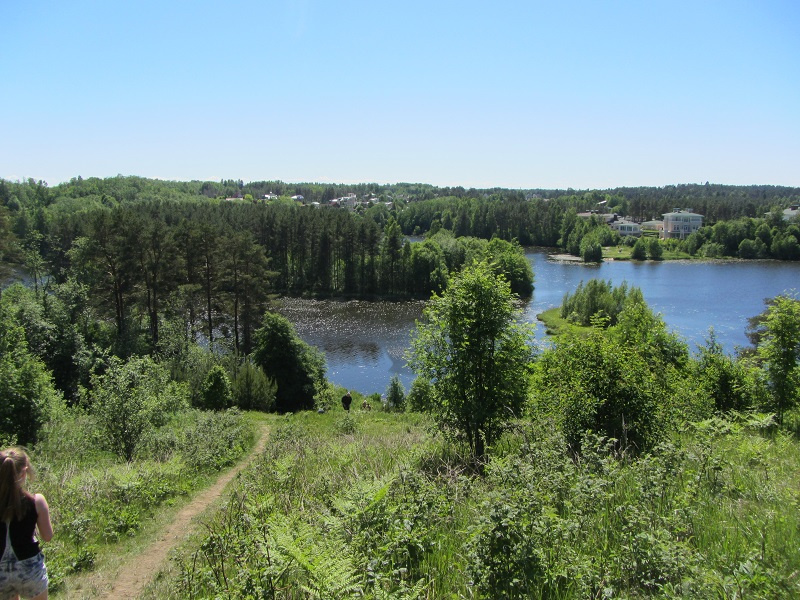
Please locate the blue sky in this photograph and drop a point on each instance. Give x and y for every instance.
(581, 94)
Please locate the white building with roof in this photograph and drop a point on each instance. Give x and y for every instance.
(626, 227)
(791, 213)
(681, 224)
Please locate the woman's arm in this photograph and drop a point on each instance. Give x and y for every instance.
(43, 523)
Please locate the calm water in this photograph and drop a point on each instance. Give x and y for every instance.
(364, 341)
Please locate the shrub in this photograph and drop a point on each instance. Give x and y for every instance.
(590, 249)
(711, 250)
(420, 395)
(395, 394)
(252, 389)
(654, 249)
(639, 251)
(130, 398)
(216, 394)
(297, 368)
(590, 383)
(215, 440)
(595, 298)
(28, 396)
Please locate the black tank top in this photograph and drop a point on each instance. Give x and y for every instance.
(21, 532)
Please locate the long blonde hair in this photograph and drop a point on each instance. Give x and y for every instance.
(13, 461)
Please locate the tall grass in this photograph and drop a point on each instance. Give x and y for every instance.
(375, 506)
(98, 499)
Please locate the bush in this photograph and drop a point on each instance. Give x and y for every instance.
(215, 440)
(420, 395)
(639, 251)
(216, 394)
(711, 250)
(29, 398)
(595, 298)
(132, 397)
(297, 368)
(395, 394)
(590, 383)
(252, 389)
(654, 249)
(591, 250)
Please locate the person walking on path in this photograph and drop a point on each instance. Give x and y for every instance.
(22, 569)
(347, 399)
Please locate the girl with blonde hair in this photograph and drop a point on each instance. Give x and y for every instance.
(22, 569)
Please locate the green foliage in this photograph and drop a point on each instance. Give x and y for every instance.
(475, 355)
(130, 398)
(388, 513)
(654, 249)
(779, 351)
(711, 250)
(346, 424)
(667, 525)
(306, 522)
(396, 394)
(252, 389)
(596, 298)
(297, 369)
(590, 383)
(639, 251)
(217, 392)
(732, 385)
(640, 329)
(590, 249)
(420, 396)
(212, 441)
(57, 331)
(509, 261)
(96, 501)
(29, 398)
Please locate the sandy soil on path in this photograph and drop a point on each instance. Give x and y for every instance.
(137, 571)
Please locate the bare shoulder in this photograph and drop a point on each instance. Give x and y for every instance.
(43, 524)
(41, 502)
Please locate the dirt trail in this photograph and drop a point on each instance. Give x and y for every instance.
(137, 571)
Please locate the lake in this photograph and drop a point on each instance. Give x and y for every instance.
(364, 341)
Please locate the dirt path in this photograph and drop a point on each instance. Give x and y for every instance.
(138, 571)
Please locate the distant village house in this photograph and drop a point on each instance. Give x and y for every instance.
(792, 212)
(681, 224)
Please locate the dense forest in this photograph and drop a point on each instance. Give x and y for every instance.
(138, 263)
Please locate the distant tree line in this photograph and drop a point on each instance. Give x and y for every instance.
(770, 236)
(163, 269)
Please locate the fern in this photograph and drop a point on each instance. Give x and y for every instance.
(324, 571)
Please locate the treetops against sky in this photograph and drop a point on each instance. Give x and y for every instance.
(519, 94)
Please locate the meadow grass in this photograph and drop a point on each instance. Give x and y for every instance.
(103, 507)
(377, 505)
(555, 324)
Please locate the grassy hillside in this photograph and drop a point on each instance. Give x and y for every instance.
(375, 505)
(103, 507)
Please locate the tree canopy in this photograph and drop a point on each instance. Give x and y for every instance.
(297, 369)
(475, 354)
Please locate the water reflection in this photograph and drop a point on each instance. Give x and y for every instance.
(364, 342)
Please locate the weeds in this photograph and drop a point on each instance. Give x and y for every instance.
(97, 500)
(390, 511)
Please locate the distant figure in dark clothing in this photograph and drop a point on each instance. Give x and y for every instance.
(347, 400)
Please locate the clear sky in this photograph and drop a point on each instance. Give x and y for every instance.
(518, 94)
